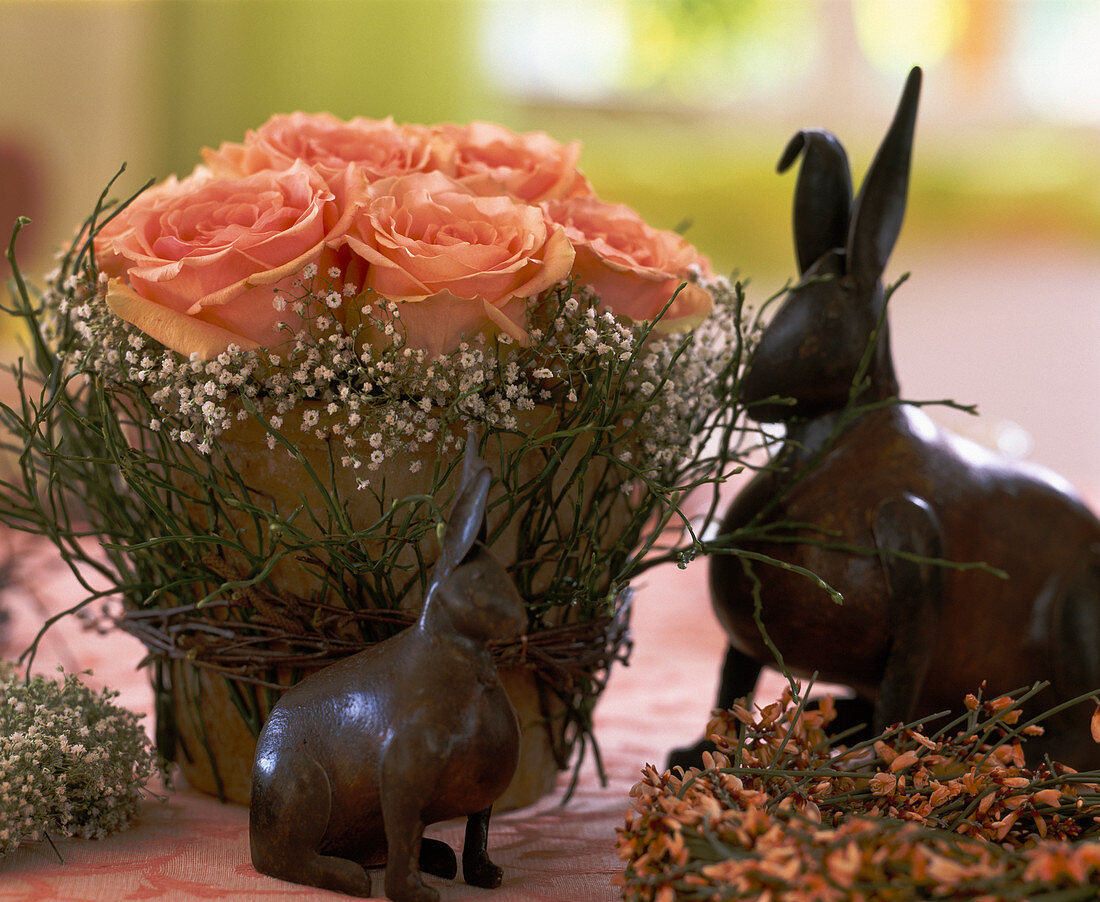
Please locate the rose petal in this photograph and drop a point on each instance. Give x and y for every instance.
(174, 330)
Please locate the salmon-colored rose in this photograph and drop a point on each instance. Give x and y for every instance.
(376, 148)
(195, 263)
(456, 262)
(635, 269)
(530, 166)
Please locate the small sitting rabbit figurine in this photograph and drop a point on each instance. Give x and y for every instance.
(356, 759)
(911, 637)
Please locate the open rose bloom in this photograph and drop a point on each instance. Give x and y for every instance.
(455, 231)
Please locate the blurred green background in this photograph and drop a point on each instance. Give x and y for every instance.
(683, 107)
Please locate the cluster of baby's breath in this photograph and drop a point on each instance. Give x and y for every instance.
(347, 373)
(678, 392)
(72, 763)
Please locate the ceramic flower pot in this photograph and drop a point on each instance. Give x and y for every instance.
(216, 718)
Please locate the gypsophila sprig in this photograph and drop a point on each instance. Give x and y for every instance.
(72, 762)
(327, 382)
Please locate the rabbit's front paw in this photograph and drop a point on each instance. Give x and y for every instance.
(437, 858)
(480, 871)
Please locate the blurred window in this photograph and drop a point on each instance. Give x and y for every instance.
(647, 52)
(1009, 59)
(1055, 54)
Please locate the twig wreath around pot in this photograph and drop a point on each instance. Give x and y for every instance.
(246, 394)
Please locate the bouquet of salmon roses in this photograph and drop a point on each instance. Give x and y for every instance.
(247, 391)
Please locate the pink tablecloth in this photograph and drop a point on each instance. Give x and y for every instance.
(190, 846)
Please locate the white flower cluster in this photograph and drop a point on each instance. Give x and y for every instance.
(380, 399)
(72, 763)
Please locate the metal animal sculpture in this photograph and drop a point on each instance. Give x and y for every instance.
(358, 758)
(911, 637)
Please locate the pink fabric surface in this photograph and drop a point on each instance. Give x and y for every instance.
(187, 845)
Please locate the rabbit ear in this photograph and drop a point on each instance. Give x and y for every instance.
(467, 520)
(880, 207)
(476, 479)
(822, 196)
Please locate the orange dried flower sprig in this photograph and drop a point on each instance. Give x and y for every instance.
(781, 811)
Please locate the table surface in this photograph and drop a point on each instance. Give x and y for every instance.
(186, 845)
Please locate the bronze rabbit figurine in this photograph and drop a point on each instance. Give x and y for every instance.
(911, 637)
(355, 760)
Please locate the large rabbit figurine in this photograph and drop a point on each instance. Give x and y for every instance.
(911, 637)
(356, 759)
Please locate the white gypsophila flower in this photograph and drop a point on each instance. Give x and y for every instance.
(51, 783)
(482, 381)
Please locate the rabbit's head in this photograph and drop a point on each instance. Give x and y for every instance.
(812, 348)
(480, 599)
(470, 589)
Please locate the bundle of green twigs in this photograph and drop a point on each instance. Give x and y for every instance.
(783, 811)
(310, 634)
